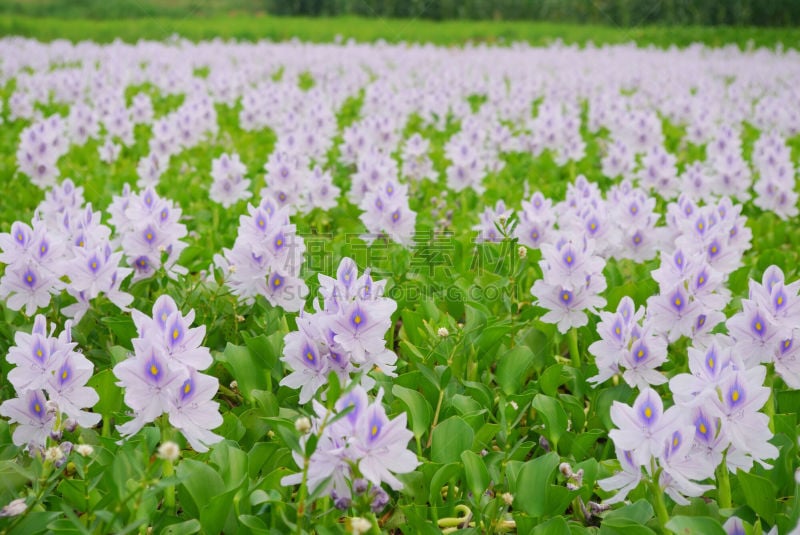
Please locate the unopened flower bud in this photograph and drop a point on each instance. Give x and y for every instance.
(14, 508)
(443, 332)
(53, 454)
(544, 444)
(84, 450)
(70, 425)
(51, 406)
(359, 526)
(169, 451)
(66, 447)
(56, 434)
(508, 498)
(379, 499)
(360, 485)
(578, 476)
(303, 425)
(522, 251)
(340, 502)
(565, 469)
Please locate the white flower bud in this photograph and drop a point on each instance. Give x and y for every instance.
(169, 451)
(360, 525)
(565, 469)
(522, 251)
(14, 508)
(53, 454)
(84, 450)
(303, 425)
(443, 332)
(508, 498)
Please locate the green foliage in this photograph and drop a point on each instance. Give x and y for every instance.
(49, 27)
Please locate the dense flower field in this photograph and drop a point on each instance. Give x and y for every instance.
(348, 288)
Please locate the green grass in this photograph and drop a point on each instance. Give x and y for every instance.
(392, 30)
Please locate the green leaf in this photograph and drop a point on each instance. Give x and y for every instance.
(214, 513)
(248, 371)
(553, 416)
(759, 493)
(418, 409)
(624, 526)
(640, 513)
(554, 526)
(110, 394)
(533, 483)
(201, 483)
(449, 439)
(513, 368)
(476, 472)
(188, 527)
(440, 479)
(695, 525)
(550, 380)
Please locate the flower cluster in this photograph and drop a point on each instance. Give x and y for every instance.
(346, 336)
(776, 176)
(536, 221)
(149, 231)
(630, 345)
(493, 223)
(266, 258)
(291, 183)
(50, 381)
(41, 145)
(764, 330)
(571, 284)
(417, 164)
(66, 240)
(229, 185)
(163, 375)
(386, 210)
(360, 449)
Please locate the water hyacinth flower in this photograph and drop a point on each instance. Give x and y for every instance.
(628, 347)
(572, 282)
(50, 380)
(386, 211)
(162, 376)
(35, 422)
(644, 427)
(149, 229)
(364, 443)
(229, 185)
(417, 164)
(266, 258)
(491, 221)
(536, 221)
(347, 336)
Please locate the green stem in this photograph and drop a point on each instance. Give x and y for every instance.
(724, 484)
(769, 408)
(376, 529)
(573, 348)
(436, 416)
(659, 505)
(169, 491)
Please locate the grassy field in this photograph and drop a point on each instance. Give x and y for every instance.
(392, 30)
